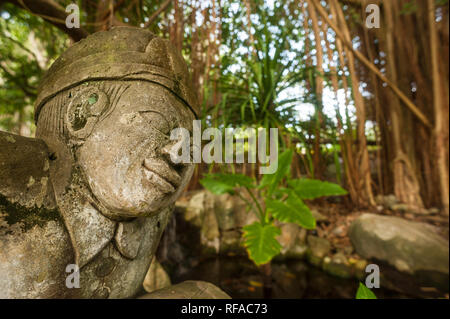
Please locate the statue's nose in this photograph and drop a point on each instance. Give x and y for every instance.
(171, 152)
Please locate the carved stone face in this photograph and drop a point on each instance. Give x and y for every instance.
(126, 155)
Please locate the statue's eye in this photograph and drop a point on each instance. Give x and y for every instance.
(79, 115)
(84, 110)
(156, 120)
(93, 98)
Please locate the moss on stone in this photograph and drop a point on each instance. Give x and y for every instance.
(29, 217)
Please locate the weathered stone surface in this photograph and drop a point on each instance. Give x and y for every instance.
(24, 172)
(156, 277)
(218, 217)
(196, 208)
(410, 247)
(189, 290)
(318, 248)
(210, 235)
(231, 241)
(359, 268)
(96, 187)
(292, 240)
(337, 265)
(388, 201)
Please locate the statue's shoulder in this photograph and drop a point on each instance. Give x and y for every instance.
(34, 244)
(26, 193)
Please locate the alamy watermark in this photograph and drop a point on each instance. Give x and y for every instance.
(73, 19)
(73, 279)
(373, 279)
(373, 19)
(226, 147)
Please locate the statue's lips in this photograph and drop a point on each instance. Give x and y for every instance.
(162, 174)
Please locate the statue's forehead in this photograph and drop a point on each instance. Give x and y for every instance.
(148, 96)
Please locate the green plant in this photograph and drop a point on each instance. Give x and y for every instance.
(276, 197)
(364, 292)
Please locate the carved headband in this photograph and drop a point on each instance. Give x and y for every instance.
(122, 53)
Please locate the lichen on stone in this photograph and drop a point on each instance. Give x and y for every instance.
(14, 213)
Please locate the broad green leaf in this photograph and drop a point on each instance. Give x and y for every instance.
(238, 180)
(261, 243)
(293, 210)
(284, 165)
(216, 186)
(225, 183)
(364, 292)
(313, 188)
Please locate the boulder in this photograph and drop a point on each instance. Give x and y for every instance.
(388, 201)
(231, 242)
(188, 290)
(156, 277)
(219, 219)
(410, 247)
(318, 248)
(292, 240)
(337, 265)
(224, 208)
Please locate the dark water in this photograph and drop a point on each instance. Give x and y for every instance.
(240, 278)
(182, 256)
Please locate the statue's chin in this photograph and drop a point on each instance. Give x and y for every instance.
(147, 207)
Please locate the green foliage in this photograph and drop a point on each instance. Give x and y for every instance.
(364, 292)
(409, 7)
(313, 188)
(272, 180)
(225, 183)
(256, 78)
(216, 186)
(261, 242)
(293, 210)
(27, 47)
(284, 204)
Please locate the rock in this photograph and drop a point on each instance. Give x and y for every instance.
(188, 290)
(359, 267)
(420, 211)
(337, 265)
(339, 231)
(318, 248)
(224, 209)
(181, 206)
(231, 242)
(292, 240)
(298, 251)
(156, 277)
(200, 212)
(434, 211)
(288, 236)
(196, 208)
(347, 250)
(389, 200)
(218, 218)
(318, 216)
(210, 232)
(399, 207)
(410, 247)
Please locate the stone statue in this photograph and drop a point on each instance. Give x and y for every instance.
(95, 189)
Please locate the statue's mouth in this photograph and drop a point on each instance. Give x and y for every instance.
(160, 173)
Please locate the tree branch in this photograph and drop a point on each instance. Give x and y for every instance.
(411, 106)
(51, 12)
(155, 15)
